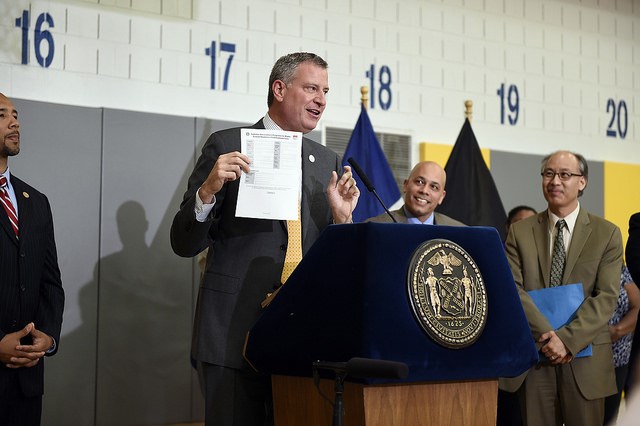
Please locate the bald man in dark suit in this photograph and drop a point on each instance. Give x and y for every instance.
(31, 295)
(562, 388)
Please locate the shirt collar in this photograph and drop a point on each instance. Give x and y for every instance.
(7, 174)
(412, 219)
(570, 219)
(269, 124)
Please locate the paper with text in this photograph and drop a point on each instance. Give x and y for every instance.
(271, 190)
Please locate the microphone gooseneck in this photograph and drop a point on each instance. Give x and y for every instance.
(365, 179)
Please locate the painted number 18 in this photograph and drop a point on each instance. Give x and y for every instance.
(384, 94)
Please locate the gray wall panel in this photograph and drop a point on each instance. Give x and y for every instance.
(518, 179)
(60, 156)
(144, 328)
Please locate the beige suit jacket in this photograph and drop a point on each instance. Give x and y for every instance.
(401, 217)
(593, 259)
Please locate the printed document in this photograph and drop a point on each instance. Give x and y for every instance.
(272, 189)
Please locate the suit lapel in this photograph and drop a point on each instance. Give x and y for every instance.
(400, 216)
(6, 225)
(306, 164)
(541, 239)
(581, 233)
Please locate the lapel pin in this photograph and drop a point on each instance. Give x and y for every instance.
(312, 158)
(25, 194)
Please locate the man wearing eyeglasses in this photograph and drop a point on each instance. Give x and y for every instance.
(562, 388)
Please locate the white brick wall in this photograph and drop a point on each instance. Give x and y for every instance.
(565, 57)
(175, 37)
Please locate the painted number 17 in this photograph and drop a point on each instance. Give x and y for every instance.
(211, 51)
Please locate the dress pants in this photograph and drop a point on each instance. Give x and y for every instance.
(550, 396)
(20, 411)
(235, 397)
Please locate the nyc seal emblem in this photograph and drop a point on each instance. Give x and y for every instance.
(447, 293)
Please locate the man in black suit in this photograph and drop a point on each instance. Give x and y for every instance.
(31, 294)
(246, 255)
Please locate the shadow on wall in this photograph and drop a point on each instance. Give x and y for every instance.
(136, 358)
(141, 370)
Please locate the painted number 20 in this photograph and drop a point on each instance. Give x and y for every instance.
(621, 113)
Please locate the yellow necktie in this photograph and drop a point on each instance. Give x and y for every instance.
(294, 247)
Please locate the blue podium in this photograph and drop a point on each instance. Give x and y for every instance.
(348, 298)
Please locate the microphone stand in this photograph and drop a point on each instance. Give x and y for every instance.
(369, 185)
(383, 205)
(338, 403)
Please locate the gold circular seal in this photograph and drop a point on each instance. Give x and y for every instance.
(447, 293)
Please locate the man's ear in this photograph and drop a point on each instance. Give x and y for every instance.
(442, 198)
(278, 88)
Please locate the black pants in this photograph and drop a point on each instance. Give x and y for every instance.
(612, 402)
(235, 397)
(20, 411)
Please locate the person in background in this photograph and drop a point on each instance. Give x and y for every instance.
(423, 192)
(247, 256)
(31, 294)
(518, 213)
(632, 255)
(621, 328)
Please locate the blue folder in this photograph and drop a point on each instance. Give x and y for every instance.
(559, 304)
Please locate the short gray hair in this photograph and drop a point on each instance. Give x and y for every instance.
(285, 68)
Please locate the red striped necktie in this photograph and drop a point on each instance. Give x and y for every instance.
(8, 205)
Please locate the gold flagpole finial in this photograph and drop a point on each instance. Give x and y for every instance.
(364, 96)
(468, 109)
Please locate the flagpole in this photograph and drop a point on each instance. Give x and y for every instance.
(468, 109)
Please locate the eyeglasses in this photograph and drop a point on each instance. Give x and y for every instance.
(563, 175)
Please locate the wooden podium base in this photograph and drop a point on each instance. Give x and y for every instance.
(297, 402)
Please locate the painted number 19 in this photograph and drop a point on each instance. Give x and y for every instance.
(513, 103)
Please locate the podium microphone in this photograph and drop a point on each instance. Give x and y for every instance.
(356, 367)
(366, 368)
(369, 185)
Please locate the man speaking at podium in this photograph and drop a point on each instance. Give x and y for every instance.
(423, 192)
(247, 255)
(566, 245)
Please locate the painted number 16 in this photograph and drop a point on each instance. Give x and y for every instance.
(40, 36)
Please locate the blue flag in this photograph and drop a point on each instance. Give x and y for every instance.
(365, 149)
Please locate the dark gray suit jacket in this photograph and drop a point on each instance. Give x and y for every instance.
(30, 284)
(594, 259)
(401, 217)
(246, 255)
